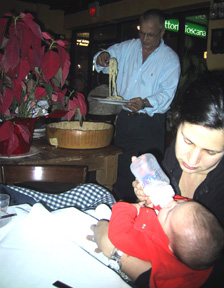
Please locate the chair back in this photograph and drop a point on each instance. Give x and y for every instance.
(15, 174)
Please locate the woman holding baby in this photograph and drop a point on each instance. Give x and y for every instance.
(194, 164)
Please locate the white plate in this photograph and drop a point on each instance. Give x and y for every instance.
(33, 151)
(38, 135)
(111, 101)
(39, 130)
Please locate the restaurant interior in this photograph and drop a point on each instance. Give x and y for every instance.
(191, 29)
(194, 29)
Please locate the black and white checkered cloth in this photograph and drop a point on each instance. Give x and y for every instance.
(83, 197)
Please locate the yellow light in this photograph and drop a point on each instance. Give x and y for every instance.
(205, 55)
(82, 42)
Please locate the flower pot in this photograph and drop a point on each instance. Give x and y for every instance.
(17, 141)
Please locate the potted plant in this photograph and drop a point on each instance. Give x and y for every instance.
(33, 72)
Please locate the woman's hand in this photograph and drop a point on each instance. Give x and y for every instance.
(100, 236)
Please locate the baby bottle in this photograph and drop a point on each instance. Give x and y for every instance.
(154, 181)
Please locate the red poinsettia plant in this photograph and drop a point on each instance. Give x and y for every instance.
(33, 72)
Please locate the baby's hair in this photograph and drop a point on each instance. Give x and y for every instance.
(201, 242)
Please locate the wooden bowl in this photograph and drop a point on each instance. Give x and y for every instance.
(72, 136)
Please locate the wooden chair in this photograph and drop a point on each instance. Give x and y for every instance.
(15, 174)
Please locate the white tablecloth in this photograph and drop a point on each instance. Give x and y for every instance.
(39, 248)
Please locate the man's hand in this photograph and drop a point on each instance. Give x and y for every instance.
(103, 59)
(136, 104)
(100, 236)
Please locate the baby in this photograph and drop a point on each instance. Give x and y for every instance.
(182, 242)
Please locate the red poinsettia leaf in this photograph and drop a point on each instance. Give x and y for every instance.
(82, 104)
(7, 100)
(38, 51)
(24, 68)
(6, 129)
(40, 92)
(12, 52)
(64, 63)
(60, 96)
(3, 24)
(13, 143)
(8, 14)
(31, 58)
(27, 40)
(72, 107)
(46, 35)
(13, 72)
(51, 64)
(1, 59)
(65, 70)
(62, 43)
(69, 115)
(25, 132)
(57, 114)
(28, 19)
(16, 89)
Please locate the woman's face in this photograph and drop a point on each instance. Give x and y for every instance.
(198, 149)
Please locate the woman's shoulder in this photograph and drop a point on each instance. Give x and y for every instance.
(210, 192)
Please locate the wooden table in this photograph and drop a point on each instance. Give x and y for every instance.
(103, 160)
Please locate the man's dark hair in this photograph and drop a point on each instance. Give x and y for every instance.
(153, 14)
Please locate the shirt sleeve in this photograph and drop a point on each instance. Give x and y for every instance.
(135, 234)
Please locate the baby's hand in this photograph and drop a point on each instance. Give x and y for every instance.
(139, 205)
(142, 197)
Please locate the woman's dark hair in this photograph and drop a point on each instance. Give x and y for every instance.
(201, 104)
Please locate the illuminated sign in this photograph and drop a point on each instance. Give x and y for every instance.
(82, 42)
(94, 9)
(190, 28)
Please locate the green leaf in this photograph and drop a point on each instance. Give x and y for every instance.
(48, 88)
(79, 116)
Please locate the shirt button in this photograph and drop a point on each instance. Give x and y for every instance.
(143, 226)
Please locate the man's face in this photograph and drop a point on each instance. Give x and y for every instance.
(150, 34)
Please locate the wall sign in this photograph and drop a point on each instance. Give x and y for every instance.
(94, 9)
(190, 28)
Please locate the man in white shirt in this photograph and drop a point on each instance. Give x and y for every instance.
(148, 75)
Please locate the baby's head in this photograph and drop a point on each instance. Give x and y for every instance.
(195, 235)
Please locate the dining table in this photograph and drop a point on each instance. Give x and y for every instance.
(104, 161)
(42, 249)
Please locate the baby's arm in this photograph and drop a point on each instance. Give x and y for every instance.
(126, 232)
